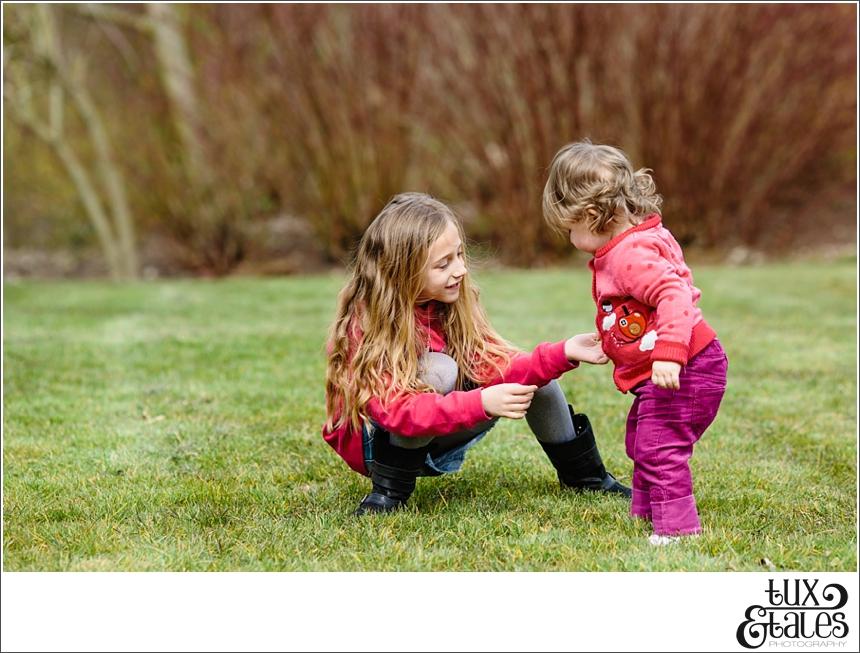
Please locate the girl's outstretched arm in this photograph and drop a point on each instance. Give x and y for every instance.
(430, 413)
(439, 415)
(546, 362)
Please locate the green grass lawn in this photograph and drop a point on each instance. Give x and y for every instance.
(175, 425)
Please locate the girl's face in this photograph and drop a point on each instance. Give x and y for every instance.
(445, 268)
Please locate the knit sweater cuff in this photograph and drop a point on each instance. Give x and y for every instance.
(558, 359)
(670, 351)
(475, 406)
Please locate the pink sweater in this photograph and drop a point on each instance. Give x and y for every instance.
(646, 302)
(430, 413)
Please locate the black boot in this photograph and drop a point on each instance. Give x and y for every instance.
(393, 473)
(578, 461)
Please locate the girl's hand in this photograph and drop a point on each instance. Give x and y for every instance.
(507, 399)
(666, 374)
(585, 348)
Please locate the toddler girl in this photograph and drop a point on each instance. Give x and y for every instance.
(649, 323)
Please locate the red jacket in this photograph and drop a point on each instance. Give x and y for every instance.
(646, 302)
(430, 413)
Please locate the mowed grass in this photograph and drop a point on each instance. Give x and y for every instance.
(175, 425)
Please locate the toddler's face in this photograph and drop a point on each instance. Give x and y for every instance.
(583, 239)
(445, 268)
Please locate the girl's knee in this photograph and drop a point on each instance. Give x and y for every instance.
(439, 371)
(550, 398)
(551, 389)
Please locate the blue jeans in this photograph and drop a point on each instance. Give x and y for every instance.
(442, 461)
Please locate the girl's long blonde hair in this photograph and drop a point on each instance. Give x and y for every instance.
(596, 183)
(375, 342)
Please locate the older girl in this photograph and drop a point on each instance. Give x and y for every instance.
(416, 375)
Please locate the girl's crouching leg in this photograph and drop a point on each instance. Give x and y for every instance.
(393, 472)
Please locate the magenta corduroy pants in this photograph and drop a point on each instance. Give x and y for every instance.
(662, 427)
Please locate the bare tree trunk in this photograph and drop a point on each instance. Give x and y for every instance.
(177, 74)
(117, 266)
(214, 239)
(114, 229)
(112, 179)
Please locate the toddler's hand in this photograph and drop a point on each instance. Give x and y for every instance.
(507, 399)
(666, 374)
(585, 348)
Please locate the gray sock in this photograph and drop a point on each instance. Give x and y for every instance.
(548, 416)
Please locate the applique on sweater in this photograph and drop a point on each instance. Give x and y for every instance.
(626, 322)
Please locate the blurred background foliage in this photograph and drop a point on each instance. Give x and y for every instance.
(210, 139)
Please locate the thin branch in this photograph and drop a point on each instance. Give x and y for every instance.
(56, 101)
(118, 16)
